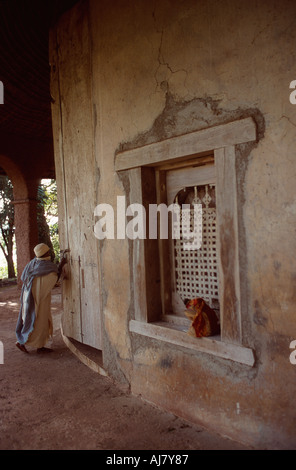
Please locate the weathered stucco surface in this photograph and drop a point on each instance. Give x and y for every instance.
(154, 70)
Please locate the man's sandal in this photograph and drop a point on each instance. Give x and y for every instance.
(22, 347)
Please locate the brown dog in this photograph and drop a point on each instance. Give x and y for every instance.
(204, 319)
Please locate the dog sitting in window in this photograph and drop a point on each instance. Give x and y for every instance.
(204, 319)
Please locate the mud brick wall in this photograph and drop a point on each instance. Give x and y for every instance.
(129, 74)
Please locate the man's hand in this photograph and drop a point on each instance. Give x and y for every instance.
(63, 257)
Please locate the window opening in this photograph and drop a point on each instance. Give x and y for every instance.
(196, 271)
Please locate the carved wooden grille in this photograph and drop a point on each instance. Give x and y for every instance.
(196, 271)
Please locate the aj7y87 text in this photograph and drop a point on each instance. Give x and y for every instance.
(158, 460)
(163, 459)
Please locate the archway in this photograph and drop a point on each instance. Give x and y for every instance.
(25, 212)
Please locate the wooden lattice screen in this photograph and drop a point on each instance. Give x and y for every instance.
(196, 271)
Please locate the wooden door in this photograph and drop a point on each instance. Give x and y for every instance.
(76, 175)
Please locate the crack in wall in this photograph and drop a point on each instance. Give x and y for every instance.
(162, 63)
(164, 70)
(288, 119)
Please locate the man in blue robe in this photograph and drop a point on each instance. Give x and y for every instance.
(34, 326)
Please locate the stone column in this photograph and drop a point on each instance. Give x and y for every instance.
(26, 231)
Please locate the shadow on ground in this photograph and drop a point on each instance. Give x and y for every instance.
(55, 402)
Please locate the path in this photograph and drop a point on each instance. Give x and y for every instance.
(54, 401)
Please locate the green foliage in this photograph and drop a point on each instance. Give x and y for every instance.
(48, 209)
(3, 272)
(47, 196)
(6, 208)
(7, 223)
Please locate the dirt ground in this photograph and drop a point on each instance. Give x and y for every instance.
(55, 402)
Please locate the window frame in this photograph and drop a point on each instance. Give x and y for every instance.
(141, 165)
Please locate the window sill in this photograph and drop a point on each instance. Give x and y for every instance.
(175, 334)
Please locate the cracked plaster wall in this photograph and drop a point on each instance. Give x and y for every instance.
(163, 68)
